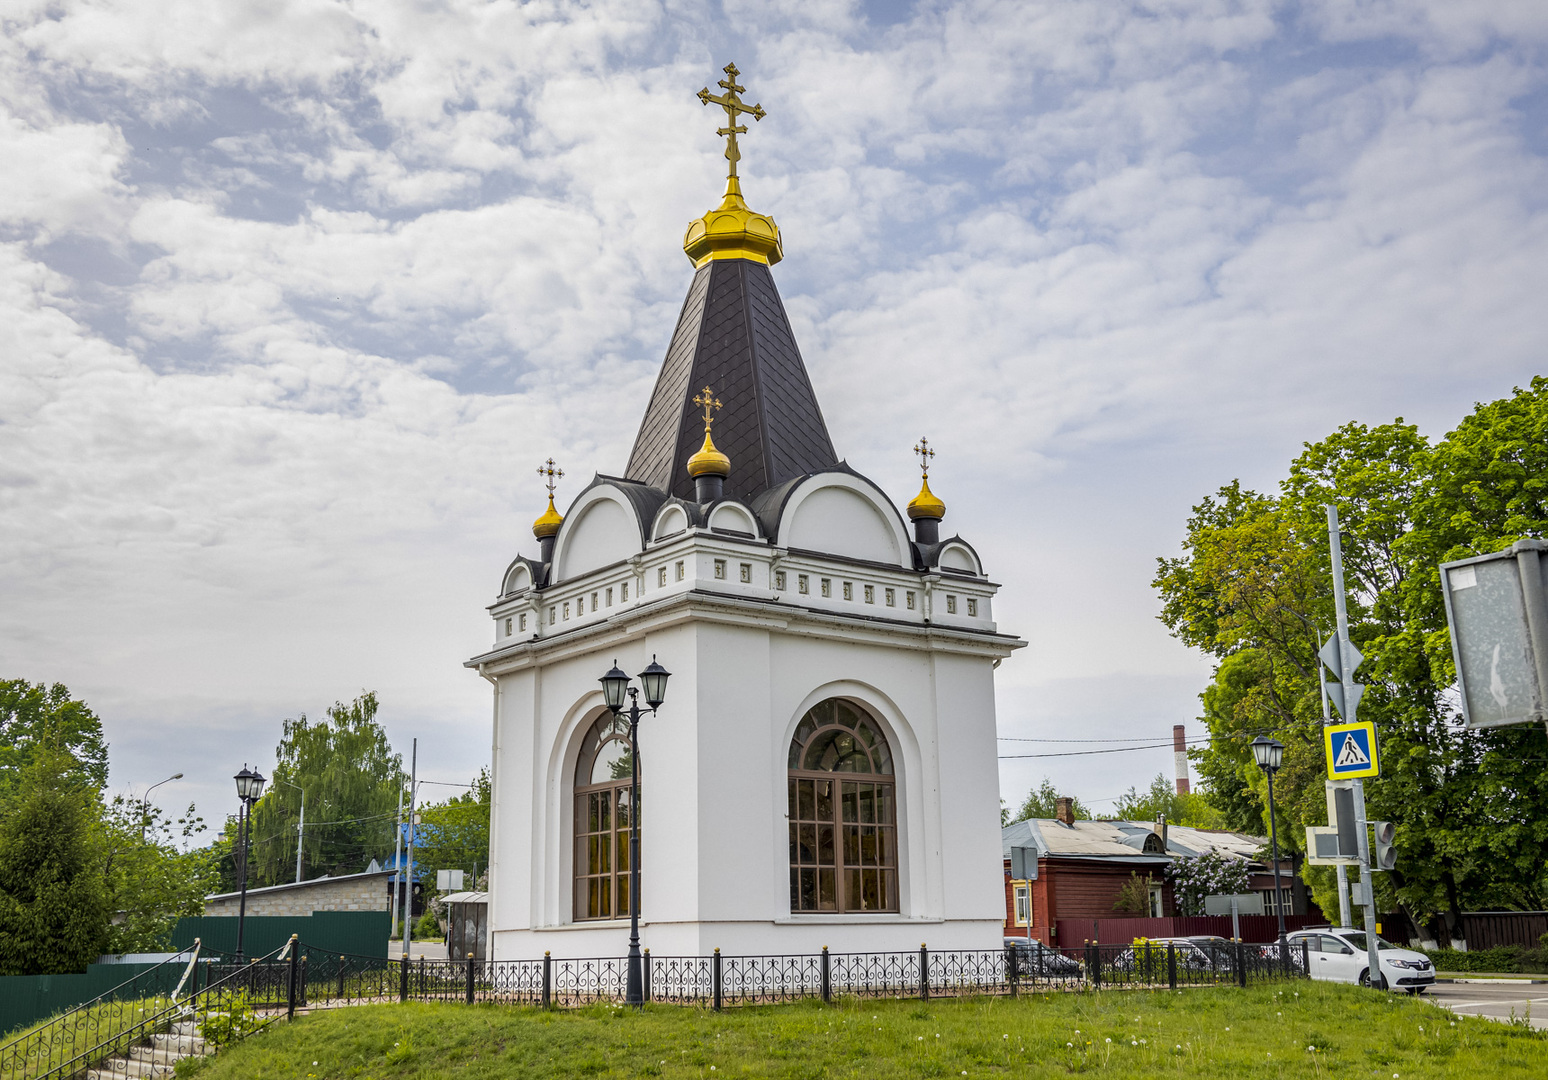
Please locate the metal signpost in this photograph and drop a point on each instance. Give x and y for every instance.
(1346, 695)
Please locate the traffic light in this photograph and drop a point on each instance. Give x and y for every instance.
(1386, 852)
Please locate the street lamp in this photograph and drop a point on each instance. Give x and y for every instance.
(1270, 753)
(145, 801)
(249, 785)
(615, 686)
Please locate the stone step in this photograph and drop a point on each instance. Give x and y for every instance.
(129, 1069)
(187, 1042)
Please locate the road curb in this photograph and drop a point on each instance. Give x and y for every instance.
(1495, 982)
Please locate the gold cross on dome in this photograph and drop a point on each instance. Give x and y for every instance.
(925, 454)
(732, 103)
(547, 469)
(709, 403)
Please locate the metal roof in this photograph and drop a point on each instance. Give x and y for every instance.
(732, 336)
(1122, 840)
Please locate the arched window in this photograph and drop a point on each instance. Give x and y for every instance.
(843, 813)
(602, 821)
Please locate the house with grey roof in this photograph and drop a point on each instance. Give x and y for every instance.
(1064, 869)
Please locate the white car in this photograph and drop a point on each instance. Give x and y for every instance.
(1340, 956)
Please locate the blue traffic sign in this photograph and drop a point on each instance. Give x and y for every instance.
(1351, 750)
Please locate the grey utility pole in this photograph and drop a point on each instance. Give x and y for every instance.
(403, 875)
(397, 858)
(1344, 914)
(1349, 659)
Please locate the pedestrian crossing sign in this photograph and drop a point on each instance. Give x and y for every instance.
(1351, 750)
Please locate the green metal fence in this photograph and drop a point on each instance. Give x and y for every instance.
(362, 933)
(26, 999)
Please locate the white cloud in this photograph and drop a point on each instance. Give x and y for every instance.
(372, 262)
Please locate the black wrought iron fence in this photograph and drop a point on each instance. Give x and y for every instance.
(210, 1006)
(718, 981)
(43, 1046)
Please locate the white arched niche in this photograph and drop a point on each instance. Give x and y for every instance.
(517, 579)
(733, 517)
(672, 520)
(957, 556)
(601, 529)
(841, 514)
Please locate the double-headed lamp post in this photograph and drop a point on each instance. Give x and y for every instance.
(249, 785)
(1270, 753)
(615, 687)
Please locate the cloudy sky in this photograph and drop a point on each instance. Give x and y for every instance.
(294, 296)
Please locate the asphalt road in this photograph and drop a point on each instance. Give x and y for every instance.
(1494, 1000)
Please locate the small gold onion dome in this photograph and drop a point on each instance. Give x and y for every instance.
(732, 231)
(549, 523)
(925, 504)
(709, 461)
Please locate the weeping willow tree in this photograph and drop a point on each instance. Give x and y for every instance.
(351, 777)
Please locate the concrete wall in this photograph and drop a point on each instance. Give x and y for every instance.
(331, 894)
(715, 847)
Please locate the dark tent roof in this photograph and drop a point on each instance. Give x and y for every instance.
(733, 337)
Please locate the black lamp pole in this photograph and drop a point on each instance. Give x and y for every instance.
(249, 785)
(1270, 753)
(615, 685)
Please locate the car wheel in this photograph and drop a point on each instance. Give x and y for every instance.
(1365, 979)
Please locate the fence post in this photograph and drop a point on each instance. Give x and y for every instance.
(1010, 968)
(341, 975)
(301, 985)
(403, 964)
(715, 979)
(295, 961)
(1095, 950)
(470, 979)
(924, 972)
(1241, 964)
(1171, 965)
(548, 979)
(827, 977)
(646, 987)
(1305, 957)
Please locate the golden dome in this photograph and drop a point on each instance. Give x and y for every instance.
(549, 523)
(709, 461)
(732, 231)
(925, 504)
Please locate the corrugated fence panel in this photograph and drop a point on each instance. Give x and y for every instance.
(1258, 929)
(26, 999)
(363, 933)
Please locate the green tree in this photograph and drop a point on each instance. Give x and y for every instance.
(1162, 799)
(1040, 803)
(454, 835)
(151, 883)
(1253, 589)
(352, 780)
(53, 900)
(31, 712)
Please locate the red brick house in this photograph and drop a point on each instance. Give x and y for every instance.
(1061, 869)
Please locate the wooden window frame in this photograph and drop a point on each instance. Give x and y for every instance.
(843, 823)
(601, 885)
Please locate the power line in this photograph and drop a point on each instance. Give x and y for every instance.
(1083, 753)
(1138, 738)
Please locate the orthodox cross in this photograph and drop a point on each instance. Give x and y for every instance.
(925, 454)
(709, 403)
(547, 469)
(732, 103)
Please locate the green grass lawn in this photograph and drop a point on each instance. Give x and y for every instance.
(1222, 1032)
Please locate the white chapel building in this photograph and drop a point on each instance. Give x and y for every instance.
(823, 770)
